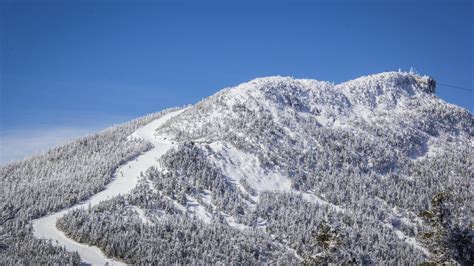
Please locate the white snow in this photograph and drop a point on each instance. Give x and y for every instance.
(197, 209)
(311, 197)
(408, 239)
(432, 149)
(413, 242)
(233, 223)
(207, 197)
(125, 179)
(141, 215)
(239, 165)
(396, 214)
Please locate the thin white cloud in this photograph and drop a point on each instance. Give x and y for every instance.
(22, 143)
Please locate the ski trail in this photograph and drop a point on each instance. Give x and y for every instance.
(125, 179)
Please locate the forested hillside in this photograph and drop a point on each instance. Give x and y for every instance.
(57, 179)
(376, 170)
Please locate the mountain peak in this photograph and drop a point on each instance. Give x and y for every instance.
(379, 92)
(407, 81)
(398, 80)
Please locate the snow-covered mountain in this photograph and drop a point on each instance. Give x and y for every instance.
(276, 170)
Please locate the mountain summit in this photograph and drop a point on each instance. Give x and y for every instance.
(375, 170)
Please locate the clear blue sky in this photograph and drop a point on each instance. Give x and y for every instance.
(89, 64)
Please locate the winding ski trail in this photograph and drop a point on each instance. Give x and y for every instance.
(126, 178)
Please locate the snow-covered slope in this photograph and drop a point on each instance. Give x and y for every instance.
(377, 170)
(125, 179)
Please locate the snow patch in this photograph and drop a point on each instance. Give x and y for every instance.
(239, 165)
(311, 197)
(141, 215)
(197, 209)
(410, 240)
(431, 150)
